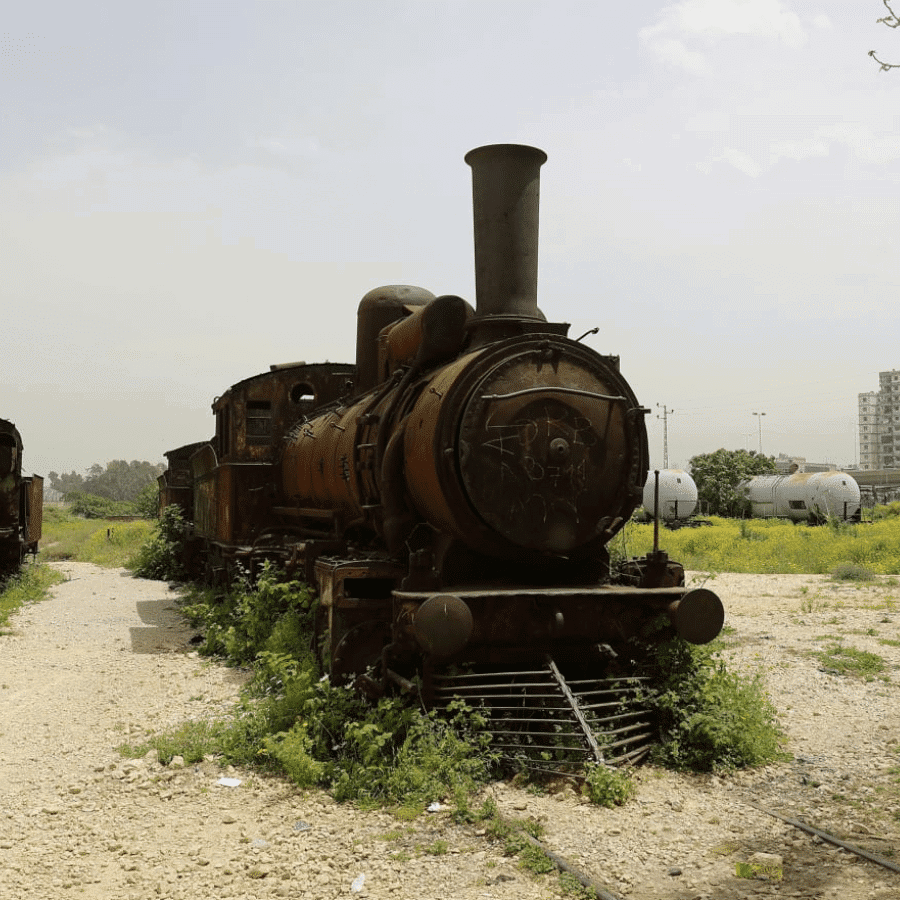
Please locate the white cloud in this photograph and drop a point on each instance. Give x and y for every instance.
(711, 20)
(738, 159)
(743, 162)
(865, 146)
(672, 51)
(798, 150)
(287, 148)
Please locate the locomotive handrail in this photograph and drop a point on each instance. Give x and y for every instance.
(548, 387)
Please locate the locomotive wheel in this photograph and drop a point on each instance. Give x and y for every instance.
(360, 649)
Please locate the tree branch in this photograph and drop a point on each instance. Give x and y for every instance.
(892, 21)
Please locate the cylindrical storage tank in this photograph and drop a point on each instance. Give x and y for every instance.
(834, 494)
(781, 496)
(760, 492)
(677, 495)
(803, 495)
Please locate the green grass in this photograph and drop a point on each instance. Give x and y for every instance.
(842, 660)
(101, 541)
(770, 546)
(28, 586)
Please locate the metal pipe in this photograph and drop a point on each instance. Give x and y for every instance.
(655, 511)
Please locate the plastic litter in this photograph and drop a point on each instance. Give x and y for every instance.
(229, 782)
(357, 885)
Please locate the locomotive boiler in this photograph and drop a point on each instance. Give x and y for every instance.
(21, 503)
(451, 495)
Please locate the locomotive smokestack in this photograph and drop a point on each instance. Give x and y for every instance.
(505, 195)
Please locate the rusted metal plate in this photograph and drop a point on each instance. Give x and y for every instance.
(254, 415)
(35, 510)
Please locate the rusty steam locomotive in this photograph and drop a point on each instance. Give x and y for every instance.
(21, 503)
(450, 495)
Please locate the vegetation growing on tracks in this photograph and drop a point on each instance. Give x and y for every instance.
(776, 546)
(711, 719)
(292, 720)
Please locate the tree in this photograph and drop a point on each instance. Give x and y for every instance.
(120, 481)
(66, 483)
(718, 474)
(892, 22)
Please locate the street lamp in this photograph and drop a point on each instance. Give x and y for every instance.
(760, 414)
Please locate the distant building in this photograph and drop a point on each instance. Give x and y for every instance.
(788, 465)
(879, 424)
(53, 497)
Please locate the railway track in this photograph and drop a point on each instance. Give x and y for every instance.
(602, 892)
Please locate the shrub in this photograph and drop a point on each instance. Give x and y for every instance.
(294, 721)
(891, 510)
(90, 506)
(710, 719)
(852, 572)
(162, 557)
(607, 787)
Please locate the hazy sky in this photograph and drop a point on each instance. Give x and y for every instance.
(190, 191)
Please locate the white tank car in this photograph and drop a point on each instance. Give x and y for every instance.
(803, 495)
(677, 495)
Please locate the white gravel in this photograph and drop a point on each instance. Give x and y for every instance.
(107, 661)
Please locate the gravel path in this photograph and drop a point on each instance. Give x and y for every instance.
(106, 661)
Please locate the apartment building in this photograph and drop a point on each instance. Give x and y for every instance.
(879, 424)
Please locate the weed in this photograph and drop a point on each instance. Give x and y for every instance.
(534, 860)
(607, 787)
(29, 585)
(812, 605)
(161, 557)
(711, 719)
(775, 546)
(572, 887)
(101, 541)
(841, 660)
(851, 571)
(394, 835)
(438, 848)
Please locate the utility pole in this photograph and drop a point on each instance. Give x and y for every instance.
(760, 414)
(665, 417)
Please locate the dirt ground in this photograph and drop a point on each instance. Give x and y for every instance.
(107, 661)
